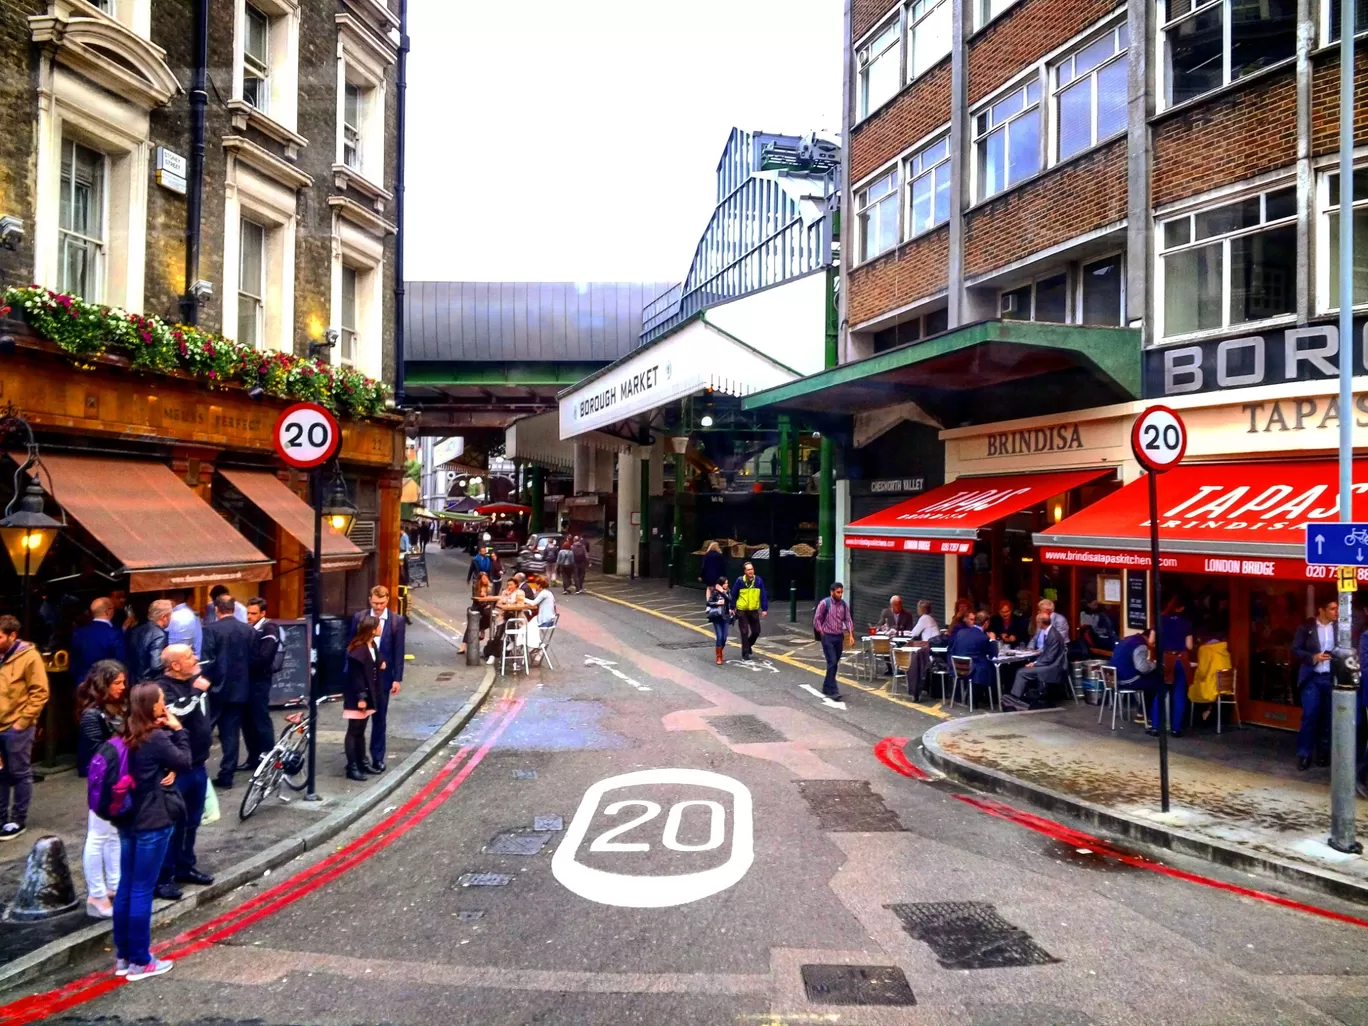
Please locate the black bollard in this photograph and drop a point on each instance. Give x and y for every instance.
(472, 638)
(46, 889)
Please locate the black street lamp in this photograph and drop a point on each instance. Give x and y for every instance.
(27, 532)
(339, 513)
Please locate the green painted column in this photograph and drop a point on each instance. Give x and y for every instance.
(826, 490)
(536, 499)
(785, 458)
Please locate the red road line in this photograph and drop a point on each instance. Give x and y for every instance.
(39, 1006)
(890, 752)
(1081, 840)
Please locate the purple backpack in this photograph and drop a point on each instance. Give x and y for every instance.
(109, 788)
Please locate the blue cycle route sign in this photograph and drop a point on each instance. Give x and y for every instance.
(1337, 544)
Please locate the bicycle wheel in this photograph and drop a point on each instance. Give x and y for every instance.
(264, 782)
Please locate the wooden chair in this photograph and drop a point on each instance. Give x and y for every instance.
(902, 662)
(1225, 695)
(879, 647)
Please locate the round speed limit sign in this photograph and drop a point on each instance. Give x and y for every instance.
(306, 435)
(1159, 439)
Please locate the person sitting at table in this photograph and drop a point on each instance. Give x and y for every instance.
(962, 619)
(1008, 624)
(979, 645)
(508, 609)
(895, 619)
(1046, 669)
(1213, 656)
(1137, 668)
(926, 628)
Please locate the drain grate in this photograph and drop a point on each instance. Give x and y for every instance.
(484, 880)
(857, 985)
(448, 675)
(470, 914)
(970, 935)
(552, 823)
(746, 729)
(524, 774)
(848, 806)
(518, 842)
(678, 646)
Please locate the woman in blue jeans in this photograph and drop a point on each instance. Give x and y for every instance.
(719, 614)
(158, 749)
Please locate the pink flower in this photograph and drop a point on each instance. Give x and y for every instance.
(213, 374)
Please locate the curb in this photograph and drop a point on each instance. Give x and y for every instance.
(81, 943)
(1152, 834)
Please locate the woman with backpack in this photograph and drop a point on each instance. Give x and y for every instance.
(101, 710)
(565, 562)
(158, 748)
(719, 608)
(359, 693)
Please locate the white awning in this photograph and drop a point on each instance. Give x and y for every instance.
(697, 356)
(537, 440)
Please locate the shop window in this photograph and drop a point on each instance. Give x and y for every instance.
(1328, 238)
(913, 330)
(879, 69)
(928, 183)
(1230, 264)
(1090, 94)
(878, 215)
(1045, 299)
(82, 226)
(1330, 31)
(252, 284)
(928, 35)
(1102, 285)
(1210, 43)
(1007, 140)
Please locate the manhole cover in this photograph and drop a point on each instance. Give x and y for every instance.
(970, 935)
(518, 842)
(848, 806)
(551, 823)
(524, 774)
(675, 646)
(857, 985)
(484, 879)
(467, 915)
(445, 676)
(745, 729)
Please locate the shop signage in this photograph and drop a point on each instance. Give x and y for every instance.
(927, 545)
(888, 486)
(1195, 563)
(1137, 601)
(1028, 441)
(1309, 353)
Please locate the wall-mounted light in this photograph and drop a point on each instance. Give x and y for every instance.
(707, 421)
(339, 512)
(321, 350)
(11, 231)
(1058, 512)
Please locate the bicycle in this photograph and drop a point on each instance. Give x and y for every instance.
(286, 763)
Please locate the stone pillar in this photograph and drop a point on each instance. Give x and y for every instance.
(584, 468)
(628, 502)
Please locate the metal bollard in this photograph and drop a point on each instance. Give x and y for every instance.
(793, 603)
(472, 637)
(633, 568)
(669, 575)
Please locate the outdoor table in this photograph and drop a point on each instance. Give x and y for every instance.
(1007, 656)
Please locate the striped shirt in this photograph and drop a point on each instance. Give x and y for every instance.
(832, 616)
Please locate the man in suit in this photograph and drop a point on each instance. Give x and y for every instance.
(146, 641)
(392, 655)
(1047, 668)
(267, 655)
(1312, 647)
(211, 613)
(228, 645)
(980, 647)
(96, 640)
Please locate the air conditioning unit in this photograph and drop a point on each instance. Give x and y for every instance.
(1009, 303)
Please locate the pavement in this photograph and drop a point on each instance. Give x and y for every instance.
(436, 685)
(642, 837)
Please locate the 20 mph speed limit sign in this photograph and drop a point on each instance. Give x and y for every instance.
(1159, 439)
(306, 435)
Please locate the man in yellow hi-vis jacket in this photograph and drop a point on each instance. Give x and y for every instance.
(751, 604)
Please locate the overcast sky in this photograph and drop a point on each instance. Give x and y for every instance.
(555, 141)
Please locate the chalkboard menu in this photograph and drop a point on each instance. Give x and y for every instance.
(417, 570)
(1137, 600)
(292, 682)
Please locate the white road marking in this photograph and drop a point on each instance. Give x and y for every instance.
(640, 891)
(825, 700)
(611, 668)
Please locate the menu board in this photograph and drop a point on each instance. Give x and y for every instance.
(417, 570)
(1137, 600)
(292, 682)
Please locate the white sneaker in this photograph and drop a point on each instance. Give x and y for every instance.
(489, 661)
(121, 967)
(10, 831)
(153, 968)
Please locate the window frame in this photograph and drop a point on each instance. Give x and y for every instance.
(1121, 54)
(982, 18)
(984, 108)
(1080, 287)
(353, 134)
(863, 205)
(1071, 294)
(252, 66)
(348, 338)
(97, 245)
(1164, 69)
(909, 182)
(892, 26)
(1329, 34)
(259, 297)
(1325, 256)
(1190, 213)
(932, 8)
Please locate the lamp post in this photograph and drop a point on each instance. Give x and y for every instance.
(27, 532)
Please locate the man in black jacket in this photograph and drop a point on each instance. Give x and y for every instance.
(390, 641)
(228, 645)
(186, 693)
(267, 655)
(146, 641)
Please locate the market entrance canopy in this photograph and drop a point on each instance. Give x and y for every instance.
(947, 519)
(1248, 519)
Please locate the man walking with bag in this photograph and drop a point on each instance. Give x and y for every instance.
(390, 636)
(751, 604)
(832, 625)
(23, 693)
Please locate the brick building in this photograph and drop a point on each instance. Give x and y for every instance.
(293, 252)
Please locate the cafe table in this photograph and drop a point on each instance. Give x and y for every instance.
(1010, 656)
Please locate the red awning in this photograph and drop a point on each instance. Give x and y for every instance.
(495, 509)
(947, 519)
(270, 495)
(1247, 519)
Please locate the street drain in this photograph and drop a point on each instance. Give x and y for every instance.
(484, 880)
(848, 806)
(970, 935)
(468, 915)
(524, 774)
(518, 842)
(676, 646)
(857, 985)
(552, 823)
(745, 729)
(444, 676)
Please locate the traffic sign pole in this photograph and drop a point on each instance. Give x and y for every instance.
(1158, 638)
(315, 606)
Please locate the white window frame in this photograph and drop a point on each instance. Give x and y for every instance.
(353, 140)
(97, 245)
(1164, 65)
(914, 170)
(889, 200)
(1081, 286)
(1190, 212)
(1327, 27)
(1025, 83)
(929, 9)
(1121, 53)
(255, 68)
(348, 334)
(865, 60)
(1326, 258)
(281, 106)
(1071, 295)
(246, 226)
(361, 250)
(984, 15)
(363, 61)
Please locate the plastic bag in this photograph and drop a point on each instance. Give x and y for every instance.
(211, 804)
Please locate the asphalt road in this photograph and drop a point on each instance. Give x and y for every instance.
(642, 837)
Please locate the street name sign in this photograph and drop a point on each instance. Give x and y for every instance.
(1337, 544)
